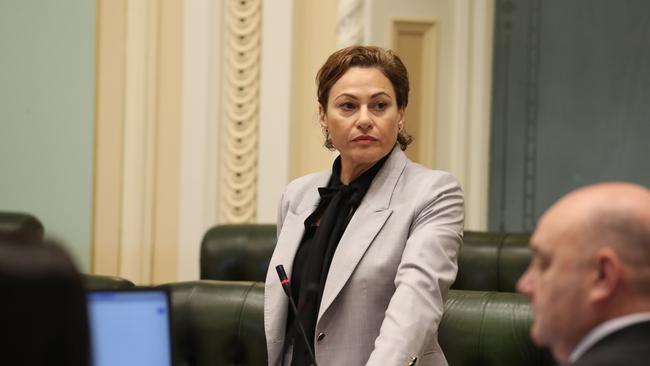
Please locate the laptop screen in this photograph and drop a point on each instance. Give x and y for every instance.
(130, 327)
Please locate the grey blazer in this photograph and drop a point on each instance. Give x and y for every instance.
(390, 274)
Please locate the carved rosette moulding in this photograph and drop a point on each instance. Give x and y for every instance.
(242, 51)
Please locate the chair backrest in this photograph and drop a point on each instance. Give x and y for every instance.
(489, 329)
(492, 261)
(487, 261)
(221, 323)
(101, 282)
(218, 323)
(237, 252)
(18, 227)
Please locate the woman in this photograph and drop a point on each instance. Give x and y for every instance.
(370, 246)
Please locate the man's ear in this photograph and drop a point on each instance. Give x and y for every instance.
(609, 269)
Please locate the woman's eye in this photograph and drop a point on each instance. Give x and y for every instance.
(347, 106)
(381, 106)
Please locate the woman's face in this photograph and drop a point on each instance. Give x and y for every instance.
(362, 118)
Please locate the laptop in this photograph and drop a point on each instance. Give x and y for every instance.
(130, 327)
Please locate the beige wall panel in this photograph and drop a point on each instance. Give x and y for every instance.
(139, 132)
(109, 116)
(138, 114)
(200, 143)
(276, 74)
(415, 41)
(167, 152)
(409, 46)
(315, 39)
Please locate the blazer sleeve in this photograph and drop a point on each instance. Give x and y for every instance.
(283, 206)
(426, 271)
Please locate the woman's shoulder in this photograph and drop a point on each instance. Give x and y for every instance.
(414, 174)
(418, 174)
(307, 182)
(423, 186)
(427, 191)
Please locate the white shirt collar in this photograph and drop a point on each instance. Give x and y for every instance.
(605, 329)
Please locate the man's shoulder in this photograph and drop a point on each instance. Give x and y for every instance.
(626, 347)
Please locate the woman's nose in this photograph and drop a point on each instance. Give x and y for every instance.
(364, 122)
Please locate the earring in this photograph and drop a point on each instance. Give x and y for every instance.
(328, 140)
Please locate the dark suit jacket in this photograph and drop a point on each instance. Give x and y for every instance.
(629, 346)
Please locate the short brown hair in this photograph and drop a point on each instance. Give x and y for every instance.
(385, 61)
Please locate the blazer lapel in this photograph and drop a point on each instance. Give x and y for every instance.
(293, 228)
(363, 228)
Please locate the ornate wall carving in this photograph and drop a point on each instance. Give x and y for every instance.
(349, 23)
(242, 66)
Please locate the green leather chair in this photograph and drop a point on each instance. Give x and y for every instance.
(221, 323)
(237, 252)
(101, 282)
(485, 328)
(487, 261)
(492, 261)
(18, 227)
(217, 323)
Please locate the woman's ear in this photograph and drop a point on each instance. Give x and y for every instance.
(400, 119)
(322, 118)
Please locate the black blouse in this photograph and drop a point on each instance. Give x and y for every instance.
(323, 230)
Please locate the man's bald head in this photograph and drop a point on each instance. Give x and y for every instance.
(591, 263)
(615, 215)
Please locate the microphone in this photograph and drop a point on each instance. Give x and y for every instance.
(286, 286)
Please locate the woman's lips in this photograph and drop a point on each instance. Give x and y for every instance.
(365, 139)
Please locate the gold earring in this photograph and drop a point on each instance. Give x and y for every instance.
(328, 140)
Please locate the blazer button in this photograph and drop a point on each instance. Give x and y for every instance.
(320, 337)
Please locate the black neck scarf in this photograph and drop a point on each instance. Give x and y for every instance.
(337, 205)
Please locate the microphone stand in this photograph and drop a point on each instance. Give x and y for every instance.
(286, 286)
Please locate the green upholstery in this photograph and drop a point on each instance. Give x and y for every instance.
(489, 329)
(487, 261)
(221, 323)
(515, 256)
(237, 252)
(492, 261)
(218, 323)
(101, 282)
(17, 227)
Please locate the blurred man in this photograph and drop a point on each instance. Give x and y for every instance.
(589, 280)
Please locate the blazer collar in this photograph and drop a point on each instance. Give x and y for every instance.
(381, 189)
(312, 197)
(293, 228)
(363, 227)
